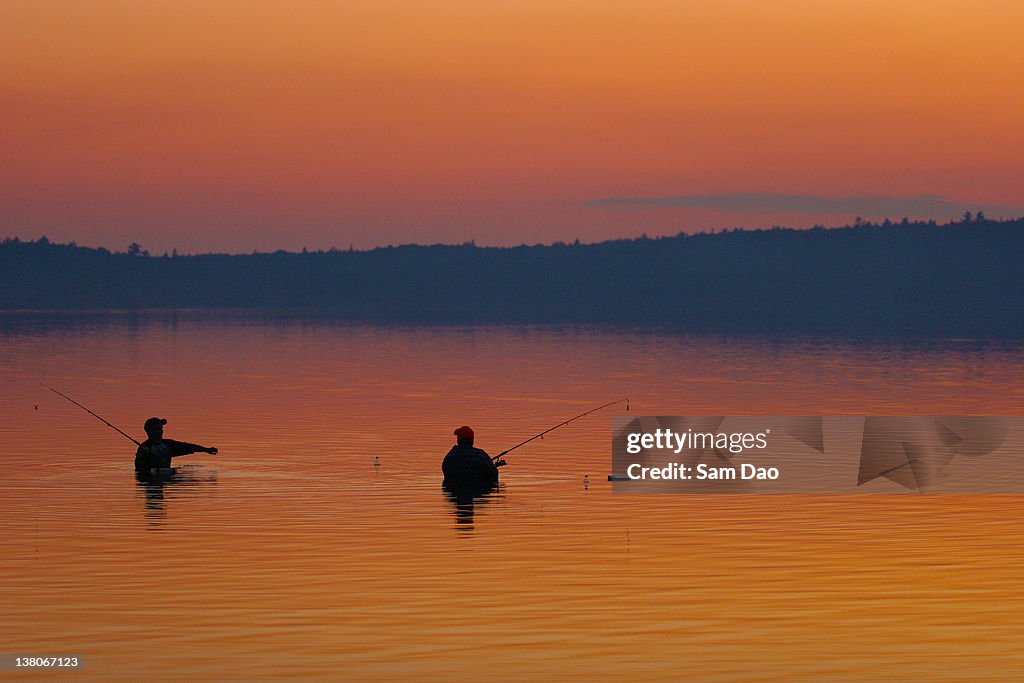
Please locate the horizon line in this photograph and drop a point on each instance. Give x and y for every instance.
(860, 223)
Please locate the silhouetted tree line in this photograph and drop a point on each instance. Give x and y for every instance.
(962, 278)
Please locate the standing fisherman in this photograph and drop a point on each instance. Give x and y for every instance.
(468, 466)
(156, 451)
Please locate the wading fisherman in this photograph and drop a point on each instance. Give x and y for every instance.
(156, 451)
(466, 465)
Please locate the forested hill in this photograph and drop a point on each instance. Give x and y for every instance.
(959, 279)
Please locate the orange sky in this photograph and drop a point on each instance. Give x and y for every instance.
(252, 125)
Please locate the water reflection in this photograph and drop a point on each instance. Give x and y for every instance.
(160, 486)
(465, 499)
(301, 519)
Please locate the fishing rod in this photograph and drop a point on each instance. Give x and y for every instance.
(561, 424)
(137, 443)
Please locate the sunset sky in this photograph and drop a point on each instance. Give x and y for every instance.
(235, 126)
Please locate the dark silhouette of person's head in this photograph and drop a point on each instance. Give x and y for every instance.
(464, 436)
(155, 428)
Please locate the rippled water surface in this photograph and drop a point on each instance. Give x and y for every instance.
(293, 553)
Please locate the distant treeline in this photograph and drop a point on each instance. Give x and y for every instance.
(959, 279)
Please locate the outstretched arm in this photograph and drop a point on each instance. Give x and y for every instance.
(179, 448)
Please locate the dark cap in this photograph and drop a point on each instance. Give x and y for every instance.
(154, 422)
(464, 432)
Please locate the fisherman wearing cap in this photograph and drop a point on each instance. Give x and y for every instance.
(465, 464)
(156, 451)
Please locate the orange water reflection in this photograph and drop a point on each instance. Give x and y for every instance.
(291, 553)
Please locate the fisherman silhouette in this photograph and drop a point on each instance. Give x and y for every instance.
(468, 466)
(156, 451)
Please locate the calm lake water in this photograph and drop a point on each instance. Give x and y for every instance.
(292, 553)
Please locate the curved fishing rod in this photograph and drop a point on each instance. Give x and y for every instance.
(137, 443)
(561, 424)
